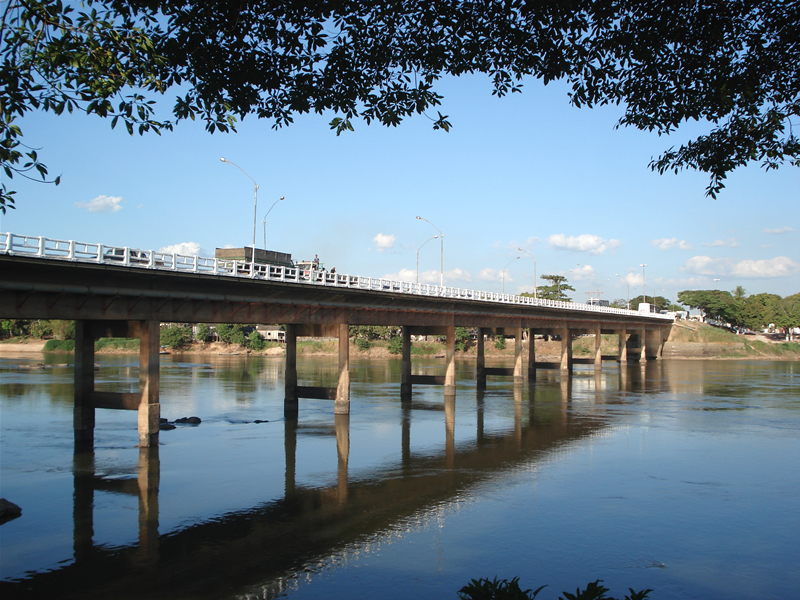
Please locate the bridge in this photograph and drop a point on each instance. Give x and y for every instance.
(113, 291)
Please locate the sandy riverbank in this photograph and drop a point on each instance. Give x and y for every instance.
(686, 341)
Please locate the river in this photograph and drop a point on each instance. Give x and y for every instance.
(680, 476)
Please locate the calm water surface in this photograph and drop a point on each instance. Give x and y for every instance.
(679, 476)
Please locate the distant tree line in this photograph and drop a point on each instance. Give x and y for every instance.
(755, 312)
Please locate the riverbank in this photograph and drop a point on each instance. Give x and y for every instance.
(687, 340)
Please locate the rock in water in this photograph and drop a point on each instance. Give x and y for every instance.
(189, 420)
(8, 511)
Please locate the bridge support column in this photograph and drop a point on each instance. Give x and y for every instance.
(405, 365)
(149, 406)
(531, 356)
(83, 411)
(145, 401)
(518, 373)
(290, 404)
(450, 358)
(481, 362)
(566, 350)
(642, 346)
(598, 355)
(654, 344)
(623, 346)
(342, 402)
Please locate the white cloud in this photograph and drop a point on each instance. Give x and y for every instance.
(633, 279)
(779, 230)
(102, 204)
(408, 275)
(592, 244)
(667, 243)
(185, 248)
(729, 243)
(433, 277)
(457, 275)
(384, 242)
(489, 274)
(780, 266)
(705, 265)
(581, 272)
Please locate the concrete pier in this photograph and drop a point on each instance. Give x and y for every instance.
(293, 392)
(145, 401)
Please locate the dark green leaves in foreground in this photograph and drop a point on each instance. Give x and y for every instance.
(732, 65)
(503, 589)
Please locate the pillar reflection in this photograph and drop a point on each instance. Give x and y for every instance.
(145, 487)
(450, 429)
(342, 426)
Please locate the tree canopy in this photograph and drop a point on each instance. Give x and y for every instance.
(734, 64)
(555, 290)
(716, 304)
(658, 303)
(753, 312)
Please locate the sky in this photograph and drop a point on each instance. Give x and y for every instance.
(524, 171)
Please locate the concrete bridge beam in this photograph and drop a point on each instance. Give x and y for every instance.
(290, 401)
(518, 373)
(598, 355)
(405, 366)
(145, 401)
(623, 346)
(480, 371)
(342, 404)
(341, 393)
(531, 355)
(450, 360)
(566, 350)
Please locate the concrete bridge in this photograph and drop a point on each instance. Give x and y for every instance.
(123, 292)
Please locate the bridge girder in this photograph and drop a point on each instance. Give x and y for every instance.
(54, 289)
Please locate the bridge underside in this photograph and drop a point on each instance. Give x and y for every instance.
(115, 301)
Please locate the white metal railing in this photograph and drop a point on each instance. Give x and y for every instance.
(42, 247)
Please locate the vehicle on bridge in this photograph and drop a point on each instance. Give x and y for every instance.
(307, 268)
(598, 302)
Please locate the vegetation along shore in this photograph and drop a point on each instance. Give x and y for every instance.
(687, 340)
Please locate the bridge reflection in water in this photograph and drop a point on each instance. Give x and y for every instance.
(261, 549)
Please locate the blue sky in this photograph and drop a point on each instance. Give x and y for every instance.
(525, 171)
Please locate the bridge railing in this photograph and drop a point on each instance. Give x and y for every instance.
(69, 250)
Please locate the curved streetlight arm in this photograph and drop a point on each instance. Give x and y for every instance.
(535, 293)
(504, 271)
(264, 220)
(255, 201)
(420, 248)
(441, 256)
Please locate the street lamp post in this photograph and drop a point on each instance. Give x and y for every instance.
(629, 290)
(504, 272)
(264, 220)
(255, 201)
(420, 248)
(597, 291)
(535, 294)
(644, 285)
(441, 256)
